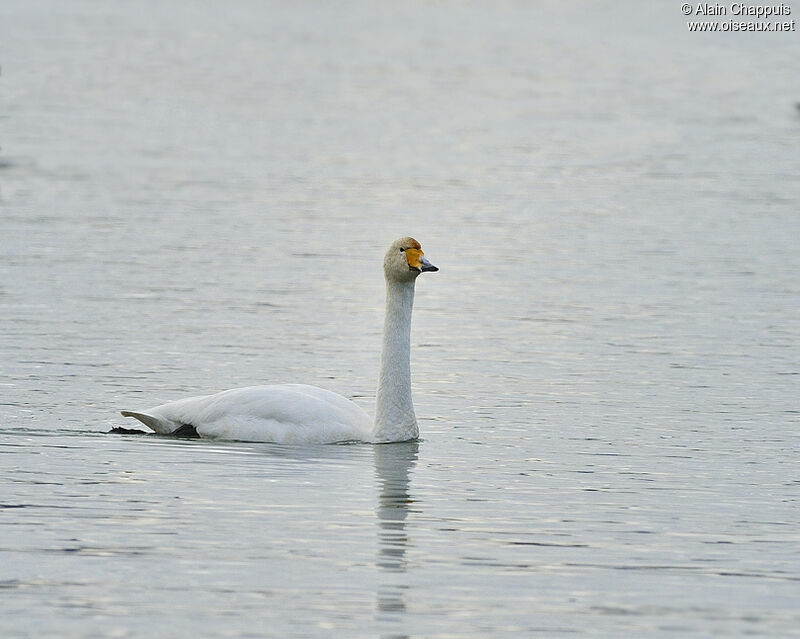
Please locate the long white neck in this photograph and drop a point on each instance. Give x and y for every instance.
(394, 412)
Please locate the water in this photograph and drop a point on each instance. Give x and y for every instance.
(198, 196)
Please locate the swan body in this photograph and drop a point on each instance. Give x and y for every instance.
(302, 414)
(282, 413)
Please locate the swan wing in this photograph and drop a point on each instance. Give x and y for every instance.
(281, 413)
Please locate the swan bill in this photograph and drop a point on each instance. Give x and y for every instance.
(427, 267)
(418, 262)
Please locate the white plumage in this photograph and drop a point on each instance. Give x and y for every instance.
(301, 414)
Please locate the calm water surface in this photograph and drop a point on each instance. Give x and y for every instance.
(195, 197)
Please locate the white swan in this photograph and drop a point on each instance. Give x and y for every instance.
(296, 413)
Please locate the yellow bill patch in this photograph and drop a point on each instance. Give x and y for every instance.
(413, 256)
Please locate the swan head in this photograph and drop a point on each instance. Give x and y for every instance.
(405, 260)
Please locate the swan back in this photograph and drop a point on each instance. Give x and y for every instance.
(280, 413)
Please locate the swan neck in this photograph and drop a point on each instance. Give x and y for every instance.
(394, 413)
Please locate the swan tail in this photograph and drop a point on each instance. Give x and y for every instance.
(158, 424)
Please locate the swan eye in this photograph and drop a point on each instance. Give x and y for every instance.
(402, 250)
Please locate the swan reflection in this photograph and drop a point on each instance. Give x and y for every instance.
(393, 466)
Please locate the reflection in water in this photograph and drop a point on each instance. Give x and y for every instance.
(393, 464)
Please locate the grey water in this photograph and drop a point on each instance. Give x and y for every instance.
(197, 196)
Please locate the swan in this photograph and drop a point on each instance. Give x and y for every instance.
(302, 414)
